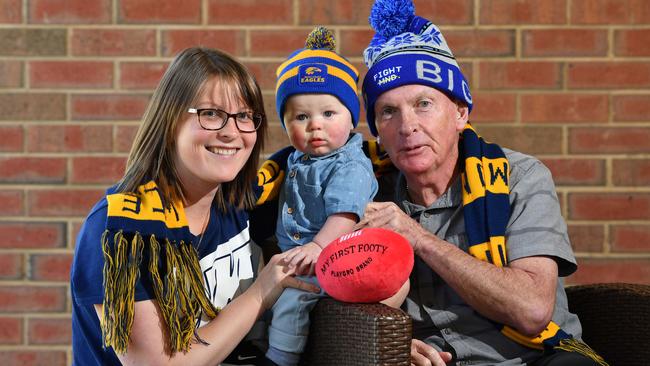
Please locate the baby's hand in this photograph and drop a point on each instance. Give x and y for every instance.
(303, 258)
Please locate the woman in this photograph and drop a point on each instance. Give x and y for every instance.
(169, 244)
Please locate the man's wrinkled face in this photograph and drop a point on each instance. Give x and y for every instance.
(419, 127)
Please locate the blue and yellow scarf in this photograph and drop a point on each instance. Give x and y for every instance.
(139, 222)
(485, 172)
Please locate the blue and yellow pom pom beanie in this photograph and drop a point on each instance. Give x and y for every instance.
(317, 69)
(408, 49)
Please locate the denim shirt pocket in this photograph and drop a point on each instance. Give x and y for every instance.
(314, 207)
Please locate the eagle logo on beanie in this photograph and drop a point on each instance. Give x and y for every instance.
(312, 69)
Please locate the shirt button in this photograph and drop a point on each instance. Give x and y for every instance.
(292, 174)
(296, 236)
(305, 157)
(426, 215)
(289, 210)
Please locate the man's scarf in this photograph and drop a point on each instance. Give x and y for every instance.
(485, 171)
(142, 222)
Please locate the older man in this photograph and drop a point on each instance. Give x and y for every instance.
(484, 222)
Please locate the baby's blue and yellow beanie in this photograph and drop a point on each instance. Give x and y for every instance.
(318, 69)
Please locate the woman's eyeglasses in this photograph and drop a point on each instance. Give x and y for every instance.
(213, 119)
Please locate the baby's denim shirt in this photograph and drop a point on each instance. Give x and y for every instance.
(316, 187)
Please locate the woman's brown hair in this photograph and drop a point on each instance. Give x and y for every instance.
(152, 153)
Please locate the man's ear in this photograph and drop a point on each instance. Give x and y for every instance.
(462, 115)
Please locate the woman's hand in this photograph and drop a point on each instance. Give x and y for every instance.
(303, 258)
(424, 355)
(276, 276)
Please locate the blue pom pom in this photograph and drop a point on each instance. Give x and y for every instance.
(377, 40)
(391, 17)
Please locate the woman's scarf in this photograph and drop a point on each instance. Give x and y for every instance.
(140, 223)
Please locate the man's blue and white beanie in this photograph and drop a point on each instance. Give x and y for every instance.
(318, 69)
(408, 49)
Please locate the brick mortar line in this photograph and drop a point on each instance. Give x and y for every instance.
(611, 255)
(36, 251)
(296, 12)
(68, 122)
(52, 284)
(114, 11)
(607, 239)
(197, 26)
(639, 222)
(37, 187)
(204, 13)
(498, 58)
(562, 124)
(586, 156)
(609, 171)
(35, 347)
(39, 316)
(112, 153)
(69, 169)
(564, 75)
(121, 154)
(148, 91)
(25, 13)
(74, 92)
(43, 155)
(564, 203)
(610, 43)
(48, 220)
(59, 155)
(359, 59)
(211, 26)
(603, 189)
(47, 186)
(519, 44)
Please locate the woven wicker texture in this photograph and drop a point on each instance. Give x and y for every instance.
(358, 334)
(615, 320)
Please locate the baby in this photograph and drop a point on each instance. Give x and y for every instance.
(329, 180)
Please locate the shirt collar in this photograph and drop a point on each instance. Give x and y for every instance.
(451, 198)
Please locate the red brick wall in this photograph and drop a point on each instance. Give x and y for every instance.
(565, 80)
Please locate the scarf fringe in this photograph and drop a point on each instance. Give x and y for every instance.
(121, 271)
(574, 345)
(178, 288)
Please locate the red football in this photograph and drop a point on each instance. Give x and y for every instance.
(368, 265)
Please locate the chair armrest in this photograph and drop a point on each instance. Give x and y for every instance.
(615, 320)
(358, 334)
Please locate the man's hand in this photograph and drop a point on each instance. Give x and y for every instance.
(424, 355)
(388, 216)
(303, 258)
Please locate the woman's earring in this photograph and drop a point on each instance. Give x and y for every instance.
(378, 140)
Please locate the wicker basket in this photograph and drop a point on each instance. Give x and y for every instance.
(358, 334)
(615, 320)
